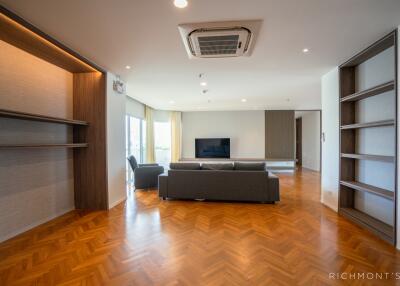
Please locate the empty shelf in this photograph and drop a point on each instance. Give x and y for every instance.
(37, 117)
(71, 145)
(368, 188)
(381, 88)
(381, 158)
(390, 122)
(384, 230)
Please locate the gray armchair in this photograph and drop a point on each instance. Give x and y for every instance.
(145, 175)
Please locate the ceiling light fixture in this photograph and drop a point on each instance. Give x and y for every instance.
(244, 100)
(305, 50)
(180, 3)
(203, 83)
(128, 67)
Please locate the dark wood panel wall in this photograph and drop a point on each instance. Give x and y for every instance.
(280, 134)
(90, 164)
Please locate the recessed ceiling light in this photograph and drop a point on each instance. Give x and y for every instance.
(171, 102)
(243, 100)
(305, 50)
(203, 83)
(180, 3)
(128, 67)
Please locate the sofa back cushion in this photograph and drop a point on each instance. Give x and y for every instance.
(218, 185)
(256, 166)
(217, 166)
(184, 166)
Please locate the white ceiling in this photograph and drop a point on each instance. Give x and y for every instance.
(144, 35)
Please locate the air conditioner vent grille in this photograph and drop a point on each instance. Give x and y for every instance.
(224, 39)
(217, 45)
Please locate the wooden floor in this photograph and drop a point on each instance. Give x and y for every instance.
(146, 241)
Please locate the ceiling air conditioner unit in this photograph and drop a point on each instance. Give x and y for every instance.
(219, 39)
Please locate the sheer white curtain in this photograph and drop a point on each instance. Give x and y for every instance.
(176, 135)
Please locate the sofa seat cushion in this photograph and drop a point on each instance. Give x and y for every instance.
(217, 166)
(184, 166)
(254, 166)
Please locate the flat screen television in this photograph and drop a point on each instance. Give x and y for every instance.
(213, 148)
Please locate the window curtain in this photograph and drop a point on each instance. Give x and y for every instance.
(150, 151)
(176, 135)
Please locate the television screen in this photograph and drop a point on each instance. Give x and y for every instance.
(213, 148)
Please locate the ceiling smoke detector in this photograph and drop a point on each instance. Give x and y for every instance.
(219, 39)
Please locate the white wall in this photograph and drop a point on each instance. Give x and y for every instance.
(134, 107)
(36, 185)
(330, 144)
(137, 109)
(310, 124)
(245, 128)
(115, 144)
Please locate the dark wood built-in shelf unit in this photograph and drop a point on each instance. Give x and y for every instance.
(89, 109)
(348, 184)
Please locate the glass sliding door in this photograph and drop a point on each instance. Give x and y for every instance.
(162, 142)
(134, 142)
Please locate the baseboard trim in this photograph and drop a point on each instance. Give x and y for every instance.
(35, 224)
(117, 202)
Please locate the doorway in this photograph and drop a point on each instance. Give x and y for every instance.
(308, 139)
(299, 154)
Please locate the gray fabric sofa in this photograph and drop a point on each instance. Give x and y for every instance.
(228, 182)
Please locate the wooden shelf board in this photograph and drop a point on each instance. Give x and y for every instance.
(68, 145)
(381, 88)
(382, 229)
(369, 188)
(369, 157)
(38, 117)
(380, 123)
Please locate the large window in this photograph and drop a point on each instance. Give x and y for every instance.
(135, 142)
(162, 142)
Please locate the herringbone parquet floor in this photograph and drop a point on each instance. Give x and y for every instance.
(145, 241)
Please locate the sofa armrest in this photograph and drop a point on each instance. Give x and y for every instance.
(149, 170)
(147, 165)
(273, 187)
